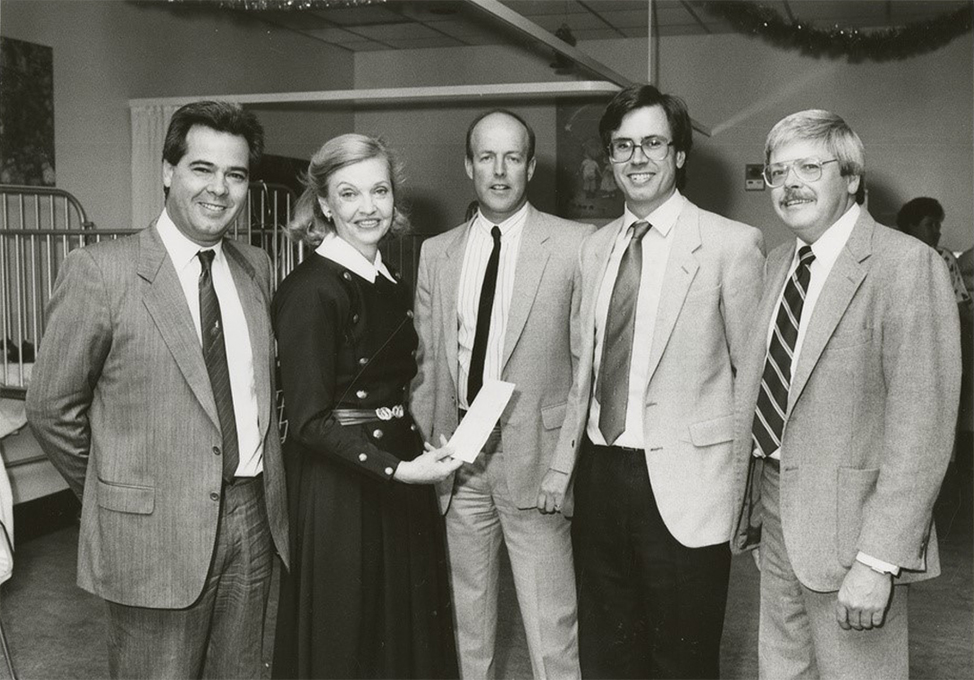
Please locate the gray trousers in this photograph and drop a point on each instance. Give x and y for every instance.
(220, 635)
(798, 635)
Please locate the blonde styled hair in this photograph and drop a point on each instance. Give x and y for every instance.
(308, 223)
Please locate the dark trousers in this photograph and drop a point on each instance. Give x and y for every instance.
(648, 606)
(220, 635)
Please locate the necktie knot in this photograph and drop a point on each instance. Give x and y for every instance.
(206, 259)
(805, 256)
(495, 233)
(640, 229)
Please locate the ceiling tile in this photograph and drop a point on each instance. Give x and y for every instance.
(335, 36)
(386, 32)
(366, 46)
(604, 33)
(361, 16)
(442, 41)
(534, 8)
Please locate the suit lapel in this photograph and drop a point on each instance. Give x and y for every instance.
(255, 311)
(531, 260)
(447, 283)
(681, 267)
(844, 280)
(166, 304)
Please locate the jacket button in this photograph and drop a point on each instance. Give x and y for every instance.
(389, 471)
(362, 457)
(214, 496)
(346, 276)
(354, 318)
(216, 450)
(361, 394)
(377, 433)
(363, 361)
(409, 313)
(412, 427)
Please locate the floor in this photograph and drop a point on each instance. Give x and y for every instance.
(55, 630)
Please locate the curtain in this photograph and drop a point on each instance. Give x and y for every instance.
(149, 125)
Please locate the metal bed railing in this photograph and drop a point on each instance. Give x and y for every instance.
(39, 226)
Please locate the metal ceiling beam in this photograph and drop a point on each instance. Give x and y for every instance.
(529, 28)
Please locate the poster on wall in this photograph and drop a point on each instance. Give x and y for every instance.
(586, 187)
(26, 113)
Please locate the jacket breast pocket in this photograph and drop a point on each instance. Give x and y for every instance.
(139, 500)
(553, 416)
(854, 486)
(714, 431)
(850, 338)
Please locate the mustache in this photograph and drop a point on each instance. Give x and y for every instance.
(795, 195)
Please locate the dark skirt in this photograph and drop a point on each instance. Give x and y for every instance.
(367, 595)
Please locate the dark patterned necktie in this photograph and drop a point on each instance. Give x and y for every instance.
(612, 390)
(769, 416)
(215, 356)
(475, 378)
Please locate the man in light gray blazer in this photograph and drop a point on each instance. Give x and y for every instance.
(667, 295)
(493, 301)
(153, 395)
(847, 399)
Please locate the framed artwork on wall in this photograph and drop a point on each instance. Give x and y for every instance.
(586, 187)
(26, 113)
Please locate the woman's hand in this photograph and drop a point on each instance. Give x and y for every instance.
(432, 466)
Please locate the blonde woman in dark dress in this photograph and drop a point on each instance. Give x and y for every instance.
(367, 595)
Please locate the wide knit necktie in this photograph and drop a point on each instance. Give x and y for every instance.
(475, 378)
(612, 389)
(769, 416)
(215, 356)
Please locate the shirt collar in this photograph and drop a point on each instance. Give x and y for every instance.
(508, 226)
(662, 219)
(333, 247)
(833, 240)
(181, 250)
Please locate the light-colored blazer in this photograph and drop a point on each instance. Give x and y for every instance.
(711, 285)
(871, 411)
(121, 402)
(537, 355)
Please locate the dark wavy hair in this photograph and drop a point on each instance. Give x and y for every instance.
(640, 96)
(216, 115)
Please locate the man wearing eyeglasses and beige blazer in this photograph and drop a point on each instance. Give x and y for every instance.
(847, 395)
(667, 295)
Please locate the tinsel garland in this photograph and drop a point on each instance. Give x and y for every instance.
(856, 45)
(283, 4)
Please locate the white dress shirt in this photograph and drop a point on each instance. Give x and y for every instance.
(479, 246)
(333, 247)
(656, 246)
(236, 335)
(826, 249)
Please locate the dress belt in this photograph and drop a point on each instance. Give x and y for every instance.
(358, 416)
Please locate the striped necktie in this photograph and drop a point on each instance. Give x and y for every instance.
(215, 356)
(769, 416)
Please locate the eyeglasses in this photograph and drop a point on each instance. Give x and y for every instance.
(806, 169)
(654, 148)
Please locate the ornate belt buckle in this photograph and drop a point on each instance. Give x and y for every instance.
(398, 411)
(384, 413)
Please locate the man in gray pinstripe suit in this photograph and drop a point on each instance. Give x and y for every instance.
(153, 396)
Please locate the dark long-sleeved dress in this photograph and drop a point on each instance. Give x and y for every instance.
(367, 595)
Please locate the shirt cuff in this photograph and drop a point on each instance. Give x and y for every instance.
(877, 564)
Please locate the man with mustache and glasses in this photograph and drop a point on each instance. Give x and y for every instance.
(847, 398)
(667, 295)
